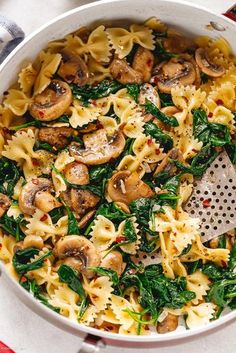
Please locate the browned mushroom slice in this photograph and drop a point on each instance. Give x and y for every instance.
(80, 201)
(166, 164)
(113, 261)
(84, 220)
(37, 193)
(56, 136)
(169, 324)
(78, 252)
(175, 43)
(206, 66)
(147, 91)
(4, 203)
(143, 62)
(73, 69)
(99, 148)
(177, 71)
(122, 72)
(77, 173)
(52, 102)
(126, 187)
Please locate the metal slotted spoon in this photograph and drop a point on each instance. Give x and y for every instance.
(213, 201)
(214, 198)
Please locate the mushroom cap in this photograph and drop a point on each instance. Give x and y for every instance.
(123, 73)
(28, 193)
(177, 43)
(5, 203)
(56, 136)
(149, 92)
(98, 148)
(73, 68)
(52, 102)
(113, 261)
(126, 187)
(77, 173)
(206, 66)
(82, 252)
(177, 71)
(143, 62)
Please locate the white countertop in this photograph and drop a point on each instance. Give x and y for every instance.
(22, 329)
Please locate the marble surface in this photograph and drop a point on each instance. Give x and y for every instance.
(22, 329)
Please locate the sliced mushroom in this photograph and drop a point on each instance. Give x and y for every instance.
(77, 173)
(5, 203)
(33, 241)
(170, 110)
(169, 324)
(45, 201)
(86, 219)
(28, 193)
(166, 164)
(80, 250)
(56, 136)
(126, 187)
(149, 92)
(73, 69)
(176, 43)
(99, 148)
(177, 71)
(122, 72)
(113, 261)
(123, 207)
(80, 201)
(52, 102)
(206, 66)
(143, 62)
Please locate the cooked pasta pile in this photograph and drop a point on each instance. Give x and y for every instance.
(102, 138)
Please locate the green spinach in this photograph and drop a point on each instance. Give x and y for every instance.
(23, 260)
(154, 131)
(12, 226)
(133, 90)
(152, 109)
(73, 227)
(9, 175)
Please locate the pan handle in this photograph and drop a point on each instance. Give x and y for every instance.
(92, 344)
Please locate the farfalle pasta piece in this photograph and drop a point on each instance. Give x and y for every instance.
(187, 97)
(66, 300)
(118, 304)
(97, 45)
(14, 211)
(103, 233)
(6, 116)
(98, 72)
(109, 124)
(89, 315)
(26, 78)
(156, 25)
(43, 226)
(132, 164)
(199, 315)
(224, 93)
(49, 65)
(199, 251)
(198, 283)
(147, 150)
(99, 291)
(61, 161)
(7, 247)
(181, 228)
(82, 115)
(17, 101)
(187, 145)
(123, 40)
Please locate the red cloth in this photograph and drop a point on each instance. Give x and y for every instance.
(5, 349)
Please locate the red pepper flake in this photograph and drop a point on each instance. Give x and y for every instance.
(6, 130)
(0, 246)
(94, 103)
(157, 151)
(210, 115)
(194, 150)
(132, 271)
(99, 126)
(23, 279)
(35, 181)
(206, 203)
(156, 80)
(35, 162)
(149, 142)
(149, 62)
(41, 114)
(219, 102)
(5, 349)
(44, 217)
(223, 263)
(120, 239)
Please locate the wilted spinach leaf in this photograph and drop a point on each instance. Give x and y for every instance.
(73, 227)
(152, 109)
(154, 131)
(22, 260)
(9, 175)
(166, 99)
(133, 90)
(231, 150)
(12, 226)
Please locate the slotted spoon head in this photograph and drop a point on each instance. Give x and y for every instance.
(214, 199)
